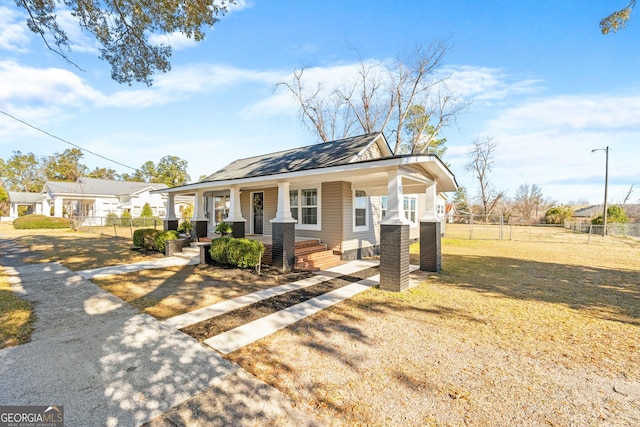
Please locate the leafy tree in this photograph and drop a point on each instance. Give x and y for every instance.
(65, 166)
(422, 134)
(4, 202)
(23, 172)
(146, 211)
(172, 170)
(527, 201)
(557, 214)
(461, 200)
(614, 214)
(103, 173)
(381, 98)
(146, 173)
(618, 19)
(123, 29)
(481, 164)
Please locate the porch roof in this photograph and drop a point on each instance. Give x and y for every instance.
(333, 161)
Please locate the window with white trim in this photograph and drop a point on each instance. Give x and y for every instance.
(305, 207)
(360, 211)
(409, 204)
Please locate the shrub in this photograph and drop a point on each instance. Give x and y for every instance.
(40, 221)
(112, 219)
(218, 250)
(223, 228)
(142, 236)
(146, 211)
(557, 215)
(243, 253)
(185, 226)
(125, 219)
(614, 214)
(160, 238)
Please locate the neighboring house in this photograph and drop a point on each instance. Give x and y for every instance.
(588, 213)
(340, 192)
(96, 198)
(24, 204)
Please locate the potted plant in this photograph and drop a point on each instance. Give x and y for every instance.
(223, 228)
(186, 228)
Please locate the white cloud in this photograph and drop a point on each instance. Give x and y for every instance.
(488, 84)
(13, 30)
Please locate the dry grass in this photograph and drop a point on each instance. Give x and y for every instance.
(74, 249)
(16, 316)
(167, 292)
(509, 333)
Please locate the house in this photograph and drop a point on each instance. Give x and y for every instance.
(353, 195)
(21, 203)
(588, 213)
(96, 198)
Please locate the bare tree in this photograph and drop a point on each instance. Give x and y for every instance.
(481, 164)
(527, 201)
(381, 97)
(628, 195)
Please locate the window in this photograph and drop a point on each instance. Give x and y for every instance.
(409, 205)
(304, 204)
(221, 208)
(360, 211)
(293, 202)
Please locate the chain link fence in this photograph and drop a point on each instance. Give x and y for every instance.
(114, 226)
(495, 227)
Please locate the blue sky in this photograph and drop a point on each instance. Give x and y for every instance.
(540, 77)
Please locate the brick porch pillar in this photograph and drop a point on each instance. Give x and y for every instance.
(430, 233)
(430, 246)
(394, 240)
(283, 232)
(394, 257)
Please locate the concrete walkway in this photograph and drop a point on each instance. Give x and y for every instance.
(108, 365)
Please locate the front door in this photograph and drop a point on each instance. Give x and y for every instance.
(258, 213)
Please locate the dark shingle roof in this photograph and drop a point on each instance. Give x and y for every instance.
(316, 156)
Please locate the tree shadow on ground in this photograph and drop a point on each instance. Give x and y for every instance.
(610, 294)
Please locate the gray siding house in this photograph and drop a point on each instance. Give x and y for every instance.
(345, 193)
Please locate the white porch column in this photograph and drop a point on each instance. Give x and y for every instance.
(395, 211)
(431, 204)
(46, 210)
(170, 219)
(57, 207)
(235, 218)
(171, 208)
(235, 211)
(198, 207)
(283, 214)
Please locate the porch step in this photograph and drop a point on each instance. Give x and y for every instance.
(310, 249)
(319, 260)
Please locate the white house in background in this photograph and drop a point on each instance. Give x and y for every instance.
(30, 202)
(95, 198)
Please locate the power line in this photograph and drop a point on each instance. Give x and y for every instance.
(66, 142)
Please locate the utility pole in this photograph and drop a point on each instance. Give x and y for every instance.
(606, 187)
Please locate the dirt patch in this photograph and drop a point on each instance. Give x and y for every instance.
(216, 325)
